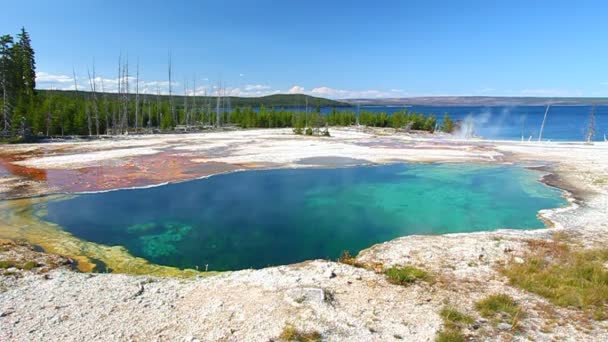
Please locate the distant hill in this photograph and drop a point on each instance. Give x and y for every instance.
(479, 101)
(277, 100)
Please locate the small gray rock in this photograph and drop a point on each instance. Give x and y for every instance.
(504, 326)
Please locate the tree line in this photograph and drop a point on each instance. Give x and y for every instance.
(30, 112)
(17, 81)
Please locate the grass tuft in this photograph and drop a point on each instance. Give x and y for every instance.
(290, 333)
(450, 335)
(405, 275)
(453, 323)
(500, 308)
(577, 279)
(452, 318)
(29, 265)
(7, 263)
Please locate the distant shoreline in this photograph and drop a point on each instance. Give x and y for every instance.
(479, 101)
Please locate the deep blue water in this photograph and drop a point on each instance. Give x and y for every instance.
(261, 218)
(501, 122)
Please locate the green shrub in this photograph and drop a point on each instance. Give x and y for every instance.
(308, 131)
(298, 130)
(405, 275)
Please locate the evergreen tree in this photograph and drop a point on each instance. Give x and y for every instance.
(447, 124)
(28, 63)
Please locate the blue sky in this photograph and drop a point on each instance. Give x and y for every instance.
(328, 48)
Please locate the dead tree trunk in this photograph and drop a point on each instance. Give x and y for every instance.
(591, 127)
(105, 106)
(542, 126)
(124, 122)
(93, 86)
(137, 97)
(171, 104)
(217, 107)
(186, 102)
(194, 109)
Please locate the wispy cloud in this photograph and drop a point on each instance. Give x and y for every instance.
(604, 83)
(551, 92)
(45, 77)
(335, 93)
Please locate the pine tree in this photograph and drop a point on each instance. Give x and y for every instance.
(28, 63)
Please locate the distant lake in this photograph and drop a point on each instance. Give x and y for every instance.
(255, 219)
(502, 122)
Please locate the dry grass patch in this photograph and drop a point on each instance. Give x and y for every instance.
(567, 278)
(290, 333)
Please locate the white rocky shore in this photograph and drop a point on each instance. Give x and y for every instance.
(340, 301)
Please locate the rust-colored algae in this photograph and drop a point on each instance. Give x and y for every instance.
(107, 175)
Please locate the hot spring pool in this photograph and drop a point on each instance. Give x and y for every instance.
(255, 219)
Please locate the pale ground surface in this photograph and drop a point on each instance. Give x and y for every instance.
(341, 302)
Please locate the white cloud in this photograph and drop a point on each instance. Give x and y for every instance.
(551, 93)
(349, 94)
(256, 87)
(45, 77)
(296, 89)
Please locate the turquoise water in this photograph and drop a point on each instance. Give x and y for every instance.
(260, 218)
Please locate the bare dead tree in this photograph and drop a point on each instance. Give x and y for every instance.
(124, 122)
(159, 112)
(87, 110)
(93, 86)
(171, 104)
(75, 82)
(194, 109)
(542, 126)
(105, 106)
(149, 114)
(591, 127)
(207, 106)
(186, 101)
(137, 97)
(217, 107)
(117, 116)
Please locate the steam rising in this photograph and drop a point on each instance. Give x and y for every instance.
(490, 125)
